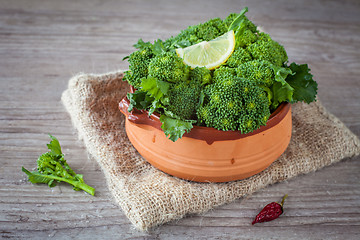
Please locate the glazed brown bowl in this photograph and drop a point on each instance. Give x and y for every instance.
(207, 154)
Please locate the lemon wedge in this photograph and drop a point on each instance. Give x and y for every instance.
(209, 54)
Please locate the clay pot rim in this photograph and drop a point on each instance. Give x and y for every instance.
(207, 134)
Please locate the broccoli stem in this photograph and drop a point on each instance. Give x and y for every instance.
(76, 184)
(36, 177)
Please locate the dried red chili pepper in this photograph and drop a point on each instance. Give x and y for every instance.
(270, 212)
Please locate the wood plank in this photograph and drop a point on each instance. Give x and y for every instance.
(44, 43)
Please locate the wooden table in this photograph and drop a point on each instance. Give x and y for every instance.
(44, 43)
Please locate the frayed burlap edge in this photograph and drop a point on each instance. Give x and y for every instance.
(150, 197)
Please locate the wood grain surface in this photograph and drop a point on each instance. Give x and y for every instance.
(44, 43)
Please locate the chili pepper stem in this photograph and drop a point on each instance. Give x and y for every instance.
(283, 200)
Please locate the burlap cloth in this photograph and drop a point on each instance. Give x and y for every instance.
(150, 197)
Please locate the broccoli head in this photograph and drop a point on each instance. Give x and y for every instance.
(200, 74)
(194, 34)
(219, 109)
(256, 109)
(267, 49)
(240, 105)
(224, 75)
(259, 72)
(238, 57)
(211, 29)
(184, 99)
(245, 38)
(168, 67)
(138, 68)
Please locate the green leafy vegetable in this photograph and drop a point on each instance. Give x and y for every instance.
(305, 88)
(159, 47)
(238, 95)
(281, 90)
(139, 100)
(54, 146)
(237, 22)
(175, 128)
(141, 44)
(53, 168)
(154, 87)
(156, 104)
(245, 30)
(281, 73)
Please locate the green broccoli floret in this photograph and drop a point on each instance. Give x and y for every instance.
(245, 38)
(184, 99)
(168, 67)
(211, 29)
(259, 72)
(194, 34)
(238, 57)
(256, 110)
(220, 108)
(250, 25)
(138, 68)
(267, 49)
(241, 105)
(224, 75)
(200, 74)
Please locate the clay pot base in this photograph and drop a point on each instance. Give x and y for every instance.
(207, 154)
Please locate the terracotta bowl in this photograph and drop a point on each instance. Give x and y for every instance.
(207, 154)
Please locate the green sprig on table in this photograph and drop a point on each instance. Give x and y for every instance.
(53, 168)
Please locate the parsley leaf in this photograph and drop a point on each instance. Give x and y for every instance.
(281, 90)
(175, 128)
(305, 88)
(141, 44)
(139, 100)
(156, 88)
